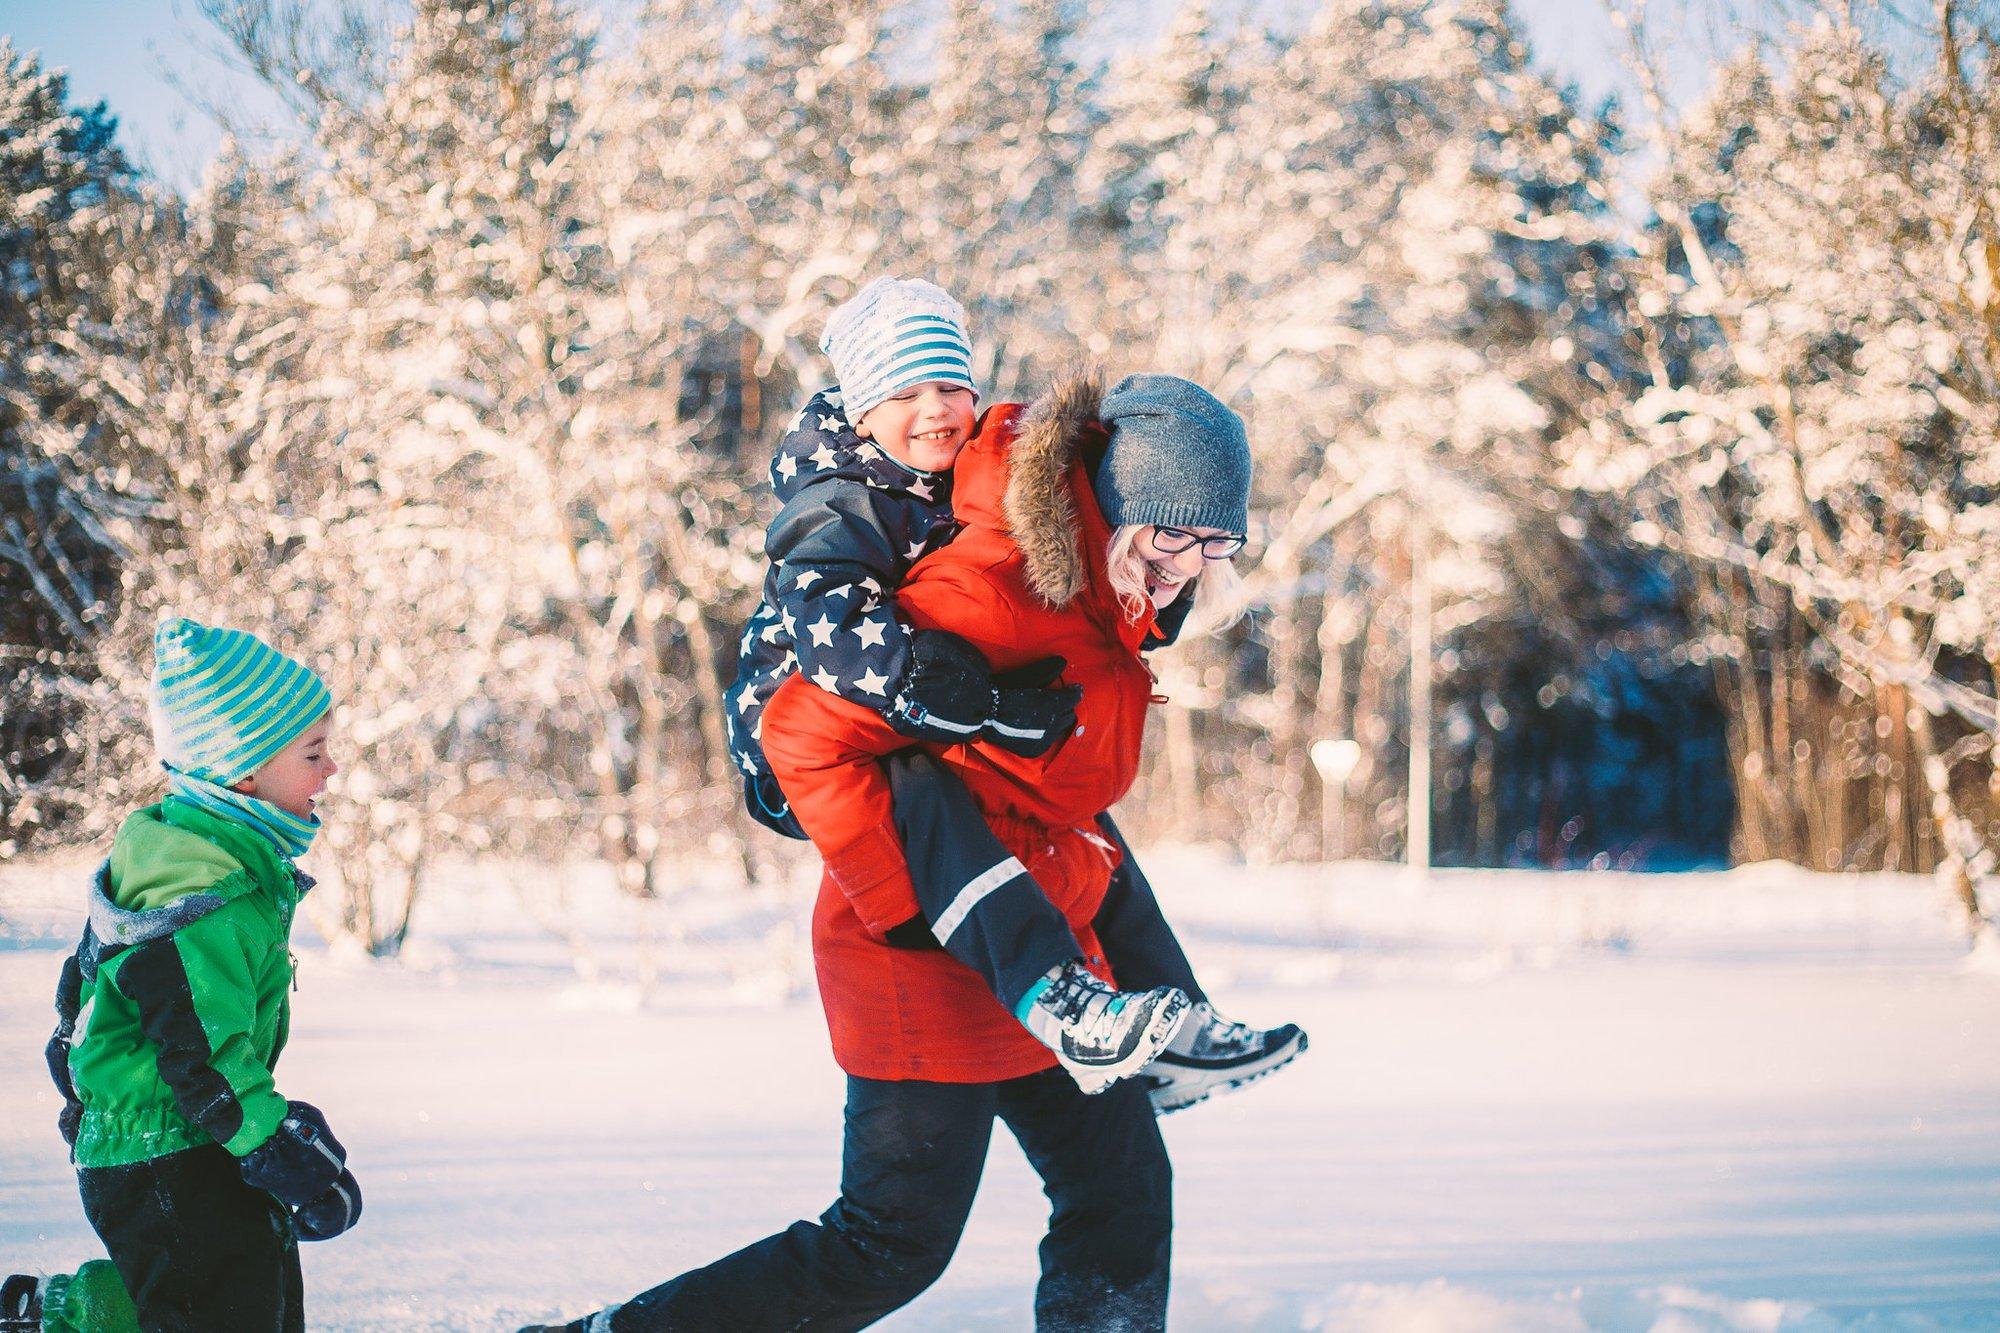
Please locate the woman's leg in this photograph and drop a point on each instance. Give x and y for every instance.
(1104, 1167)
(979, 901)
(198, 1249)
(910, 1166)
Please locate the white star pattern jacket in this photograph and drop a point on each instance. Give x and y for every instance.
(854, 521)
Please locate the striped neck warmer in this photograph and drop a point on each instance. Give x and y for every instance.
(291, 835)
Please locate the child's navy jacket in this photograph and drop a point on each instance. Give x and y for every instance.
(854, 521)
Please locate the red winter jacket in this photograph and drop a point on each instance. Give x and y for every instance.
(1023, 580)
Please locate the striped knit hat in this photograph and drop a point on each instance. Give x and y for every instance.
(224, 701)
(897, 332)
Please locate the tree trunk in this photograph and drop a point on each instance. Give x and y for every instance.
(1330, 719)
(1371, 728)
(1967, 863)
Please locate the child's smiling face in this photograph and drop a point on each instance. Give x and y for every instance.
(923, 426)
(292, 777)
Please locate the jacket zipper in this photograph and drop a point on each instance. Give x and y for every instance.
(300, 883)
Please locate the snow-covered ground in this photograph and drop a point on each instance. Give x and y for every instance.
(1755, 1101)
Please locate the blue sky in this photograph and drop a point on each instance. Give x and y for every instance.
(141, 56)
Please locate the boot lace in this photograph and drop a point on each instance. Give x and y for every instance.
(1220, 1036)
(1081, 1002)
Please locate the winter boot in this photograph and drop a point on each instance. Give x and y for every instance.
(90, 1300)
(21, 1304)
(1100, 1035)
(1210, 1054)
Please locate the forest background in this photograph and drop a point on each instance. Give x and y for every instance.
(1665, 439)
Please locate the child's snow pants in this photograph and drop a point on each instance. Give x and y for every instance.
(199, 1250)
(999, 924)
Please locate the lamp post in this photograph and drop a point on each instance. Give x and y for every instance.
(1419, 856)
(1336, 761)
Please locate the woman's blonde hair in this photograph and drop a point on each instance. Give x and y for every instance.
(1219, 597)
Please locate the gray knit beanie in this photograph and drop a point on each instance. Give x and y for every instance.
(1177, 457)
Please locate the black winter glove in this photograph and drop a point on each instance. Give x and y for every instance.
(915, 933)
(950, 695)
(303, 1166)
(333, 1212)
(1030, 711)
(69, 1004)
(947, 691)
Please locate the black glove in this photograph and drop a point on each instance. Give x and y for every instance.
(915, 933)
(333, 1212)
(300, 1160)
(950, 695)
(947, 690)
(69, 1004)
(1030, 711)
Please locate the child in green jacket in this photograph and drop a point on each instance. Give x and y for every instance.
(198, 1175)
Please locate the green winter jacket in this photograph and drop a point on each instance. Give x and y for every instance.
(186, 971)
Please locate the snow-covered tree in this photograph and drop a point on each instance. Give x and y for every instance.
(71, 216)
(520, 407)
(1382, 238)
(865, 151)
(469, 398)
(1818, 433)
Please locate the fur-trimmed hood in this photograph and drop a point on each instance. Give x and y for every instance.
(1040, 505)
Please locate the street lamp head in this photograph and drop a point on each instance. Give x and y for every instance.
(1336, 760)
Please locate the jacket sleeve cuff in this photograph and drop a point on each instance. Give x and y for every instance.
(262, 1114)
(875, 878)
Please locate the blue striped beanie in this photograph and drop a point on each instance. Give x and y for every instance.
(895, 333)
(224, 701)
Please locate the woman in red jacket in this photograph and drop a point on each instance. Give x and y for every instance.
(1083, 515)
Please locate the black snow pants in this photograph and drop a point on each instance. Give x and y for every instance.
(988, 912)
(199, 1250)
(910, 1166)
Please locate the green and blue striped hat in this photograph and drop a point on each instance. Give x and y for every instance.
(897, 333)
(224, 701)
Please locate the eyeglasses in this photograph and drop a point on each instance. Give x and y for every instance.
(1173, 541)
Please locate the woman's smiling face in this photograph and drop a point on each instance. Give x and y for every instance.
(1169, 572)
